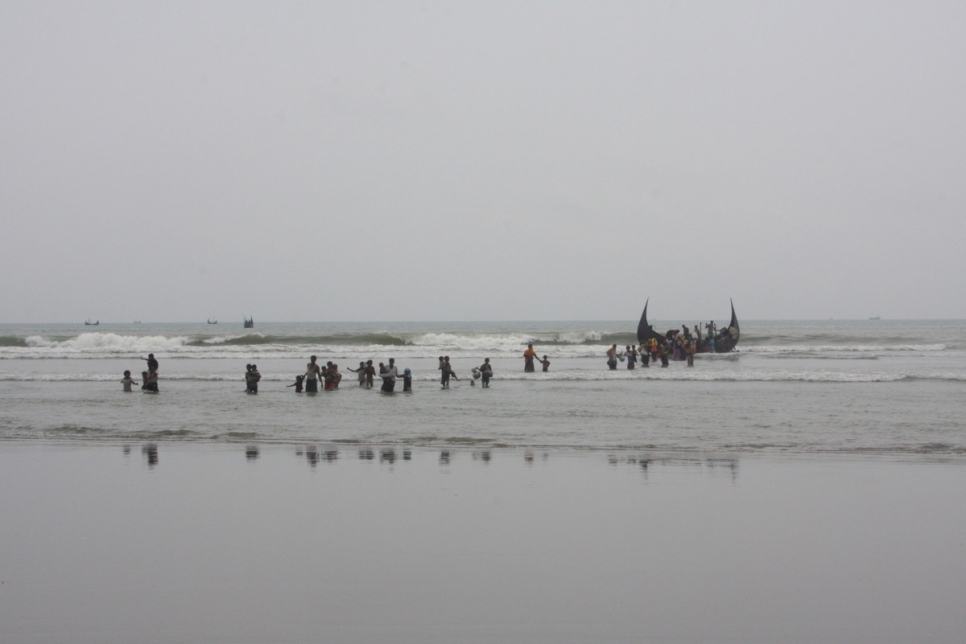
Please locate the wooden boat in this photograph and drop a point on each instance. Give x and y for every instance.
(724, 341)
(210, 321)
(89, 323)
(249, 323)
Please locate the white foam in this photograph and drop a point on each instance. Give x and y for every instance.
(109, 343)
(837, 348)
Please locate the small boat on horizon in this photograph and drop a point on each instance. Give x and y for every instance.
(876, 317)
(249, 322)
(210, 321)
(88, 322)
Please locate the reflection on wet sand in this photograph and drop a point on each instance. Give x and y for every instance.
(714, 463)
(151, 452)
(643, 463)
(313, 455)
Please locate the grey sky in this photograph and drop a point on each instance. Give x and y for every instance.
(494, 160)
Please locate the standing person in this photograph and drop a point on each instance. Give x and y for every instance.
(313, 374)
(150, 382)
(486, 371)
(546, 364)
(336, 375)
(407, 380)
(389, 377)
(645, 356)
(127, 382)
(631, 354)
(612, 358)
(152, 378)
(528, 357)
(297, 384)
(253, 378)
(448, 372)
(248, 378)
(443, 376)
(370, 374)
(360, 373)
(328, 376)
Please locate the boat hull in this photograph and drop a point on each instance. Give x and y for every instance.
(724, 341)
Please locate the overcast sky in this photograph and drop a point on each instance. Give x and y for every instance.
(171, 161)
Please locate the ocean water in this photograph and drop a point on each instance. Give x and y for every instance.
(863, 386)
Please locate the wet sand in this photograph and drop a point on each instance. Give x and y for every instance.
(226, 543)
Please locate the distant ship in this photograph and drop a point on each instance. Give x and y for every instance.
(210, 321)
(877, 317)
(89, 323)
(249, 323)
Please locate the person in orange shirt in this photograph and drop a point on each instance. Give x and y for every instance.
(528, 357)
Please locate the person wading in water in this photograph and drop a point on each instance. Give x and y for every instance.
(528, 357)
(313, 374)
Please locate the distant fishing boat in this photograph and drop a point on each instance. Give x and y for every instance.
(877, 317)
(87, 322)
(137, 321)
(249, 323)
(724, 341)
(210, 321)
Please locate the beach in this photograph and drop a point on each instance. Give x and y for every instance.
(230, 543)
(808, 487)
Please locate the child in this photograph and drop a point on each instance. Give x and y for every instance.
(448, 372)
(360, 373)
(127, 382)
(297, 384)
(370, 374)
(407, 380)
(545, 363)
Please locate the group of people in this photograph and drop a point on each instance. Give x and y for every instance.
(676, 345)
(679, 345)
(651, 350)
(149, 378)
(528, 358)
(329, 376)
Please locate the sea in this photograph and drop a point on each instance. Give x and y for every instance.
(893, 387)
